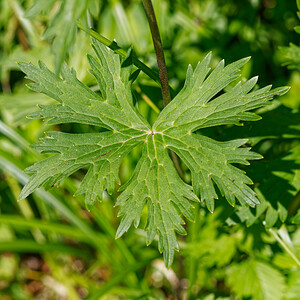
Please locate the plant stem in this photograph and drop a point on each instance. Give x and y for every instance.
(162, 69)
(114, 46)
(159, 51)
(294, 205)
(147, 100)
(177, 165)
(284, 246)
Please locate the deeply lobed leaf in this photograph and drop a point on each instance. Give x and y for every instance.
(155, 182)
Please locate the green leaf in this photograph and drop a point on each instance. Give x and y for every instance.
(155, 182)
(293, 286)
(66, 17)
(296, 218)
(278, 122)
(40, 6)
(292, 55)
(25, 246)
(65, 230)
(15, 107)
(279, 183)
(257, 280)
(271, 217)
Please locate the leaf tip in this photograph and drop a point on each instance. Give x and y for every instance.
(245, 60)
(208, 56)
(118, 234)
(210, 208)
(24, 194)
(255, 78)
(283, 90)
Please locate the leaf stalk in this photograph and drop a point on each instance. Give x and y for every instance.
(284, 246)
(114, 46)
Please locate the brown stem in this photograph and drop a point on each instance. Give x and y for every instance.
(160, 57)
(159, 51)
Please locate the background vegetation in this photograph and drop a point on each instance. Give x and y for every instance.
(53, 248)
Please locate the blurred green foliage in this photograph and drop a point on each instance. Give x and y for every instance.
(52, 248)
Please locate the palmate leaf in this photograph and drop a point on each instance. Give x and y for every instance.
(256, 279)
(155, 182)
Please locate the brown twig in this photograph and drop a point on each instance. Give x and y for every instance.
(160, 57)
